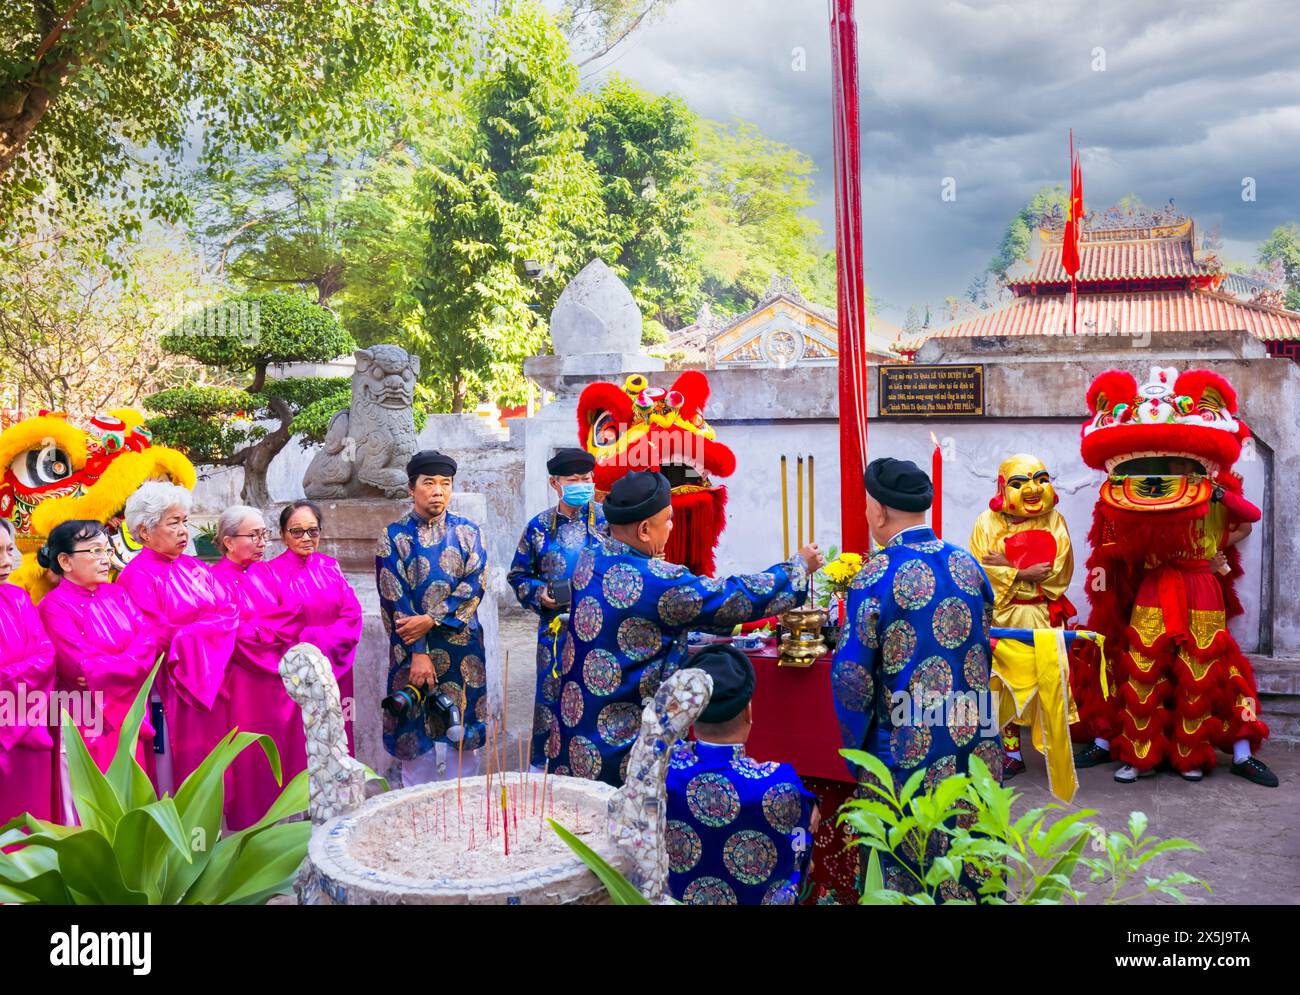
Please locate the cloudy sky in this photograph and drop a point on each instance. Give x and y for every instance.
(1193, 98)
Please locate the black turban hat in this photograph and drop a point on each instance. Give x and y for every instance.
(430, 463)
(733, 682)
(636, 496)
(567, 462)
(899, 483)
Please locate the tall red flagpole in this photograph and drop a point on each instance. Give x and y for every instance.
(849, 279)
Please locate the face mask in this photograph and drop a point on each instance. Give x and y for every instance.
(576, 495)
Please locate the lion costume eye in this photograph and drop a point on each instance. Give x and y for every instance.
(42, 467)
(605, 431)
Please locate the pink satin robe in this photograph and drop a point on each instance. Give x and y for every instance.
(193, 620)
(331, 615)
(268, 626)
(103, 637)
(29, 779)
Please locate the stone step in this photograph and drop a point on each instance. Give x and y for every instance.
(1278, 680)
(1276, 675)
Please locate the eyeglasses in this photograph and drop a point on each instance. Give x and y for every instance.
(99, 552)
(299, 533)
(261, 535)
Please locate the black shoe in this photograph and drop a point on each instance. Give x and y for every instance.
(1254, 769)
(1011, 767)
(1091, 757)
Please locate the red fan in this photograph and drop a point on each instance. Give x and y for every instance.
(1024, 549)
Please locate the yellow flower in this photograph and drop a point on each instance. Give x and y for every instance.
(843, 568)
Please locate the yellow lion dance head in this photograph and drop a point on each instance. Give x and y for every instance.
(55, 471)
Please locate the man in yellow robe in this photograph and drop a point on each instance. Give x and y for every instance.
(1024, 545)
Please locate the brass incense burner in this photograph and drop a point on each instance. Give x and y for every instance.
(803, 643)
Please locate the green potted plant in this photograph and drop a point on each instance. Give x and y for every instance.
(134, 848)
(1035, 859)
(205, 543)
(1030, 860)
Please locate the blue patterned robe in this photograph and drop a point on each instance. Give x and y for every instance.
(920, 612)
(548, 551)
(737, 830)
(435, 568)
(627, 632)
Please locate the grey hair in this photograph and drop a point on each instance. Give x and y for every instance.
(146, 507)
(8, 526)
(230, 520)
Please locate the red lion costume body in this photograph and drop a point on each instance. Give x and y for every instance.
(1180, 686)
(639, 427)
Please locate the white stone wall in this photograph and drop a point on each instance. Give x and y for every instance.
(973, 449)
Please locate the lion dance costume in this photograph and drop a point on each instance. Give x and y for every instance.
(1169, 506)
(55, 471)
(639, 427)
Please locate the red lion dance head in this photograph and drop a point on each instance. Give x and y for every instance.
(639, 427)
(1164, 445)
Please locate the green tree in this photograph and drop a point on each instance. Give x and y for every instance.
(248, 334)
(752, 224)
(643, 148)
(596, 27)
(273, 219)
(382, 236)
(86, 84)
(80, 324)
(1015, 240)
(1282, 249)
(509, 187)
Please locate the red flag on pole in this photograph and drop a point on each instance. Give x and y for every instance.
(855, 536)
(1073, 231)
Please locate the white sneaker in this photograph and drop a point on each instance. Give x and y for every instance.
(1128, 774)
(1195, 774)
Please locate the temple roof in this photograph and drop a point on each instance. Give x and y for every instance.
(1140, 271)
(1130, 314)
(805, 333)
(1107, 255)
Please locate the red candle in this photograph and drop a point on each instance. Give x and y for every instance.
(936, 476)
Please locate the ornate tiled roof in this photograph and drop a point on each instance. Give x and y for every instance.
(1107, 254)
(1140, 271)
(1134, 313)
(1142, 256)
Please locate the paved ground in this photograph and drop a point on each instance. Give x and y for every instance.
(1250, 835)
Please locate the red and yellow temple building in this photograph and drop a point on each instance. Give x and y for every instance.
(1140, 272)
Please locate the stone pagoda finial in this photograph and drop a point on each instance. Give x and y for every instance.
(596, 313)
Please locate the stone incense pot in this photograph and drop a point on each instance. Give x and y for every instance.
(440, 844)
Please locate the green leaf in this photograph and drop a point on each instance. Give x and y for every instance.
(875, 880)
(127, 778)
(94, 799)
(145, 839)
(199, 802)
(253, 865)
(1056, 881)
(620, 889)
(1137, 825)
(89, 869)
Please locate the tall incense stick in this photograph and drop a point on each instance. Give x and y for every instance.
(812, 501)
(785, 511)
(798, 506)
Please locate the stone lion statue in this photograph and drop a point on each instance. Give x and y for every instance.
(368, 444)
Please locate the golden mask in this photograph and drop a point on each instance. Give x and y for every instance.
(1024, 487)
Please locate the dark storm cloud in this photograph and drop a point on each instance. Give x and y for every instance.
(1194, 97)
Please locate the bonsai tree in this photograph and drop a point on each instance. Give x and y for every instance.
(247, 334)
